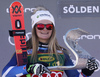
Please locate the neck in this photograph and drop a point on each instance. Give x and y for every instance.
(44, 41)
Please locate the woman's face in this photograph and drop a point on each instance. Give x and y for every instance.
(44, 34)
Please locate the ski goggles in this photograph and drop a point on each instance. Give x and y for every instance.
(42, 26)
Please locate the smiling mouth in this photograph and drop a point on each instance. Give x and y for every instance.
(45, 33)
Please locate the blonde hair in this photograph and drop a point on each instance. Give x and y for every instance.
(53, 45)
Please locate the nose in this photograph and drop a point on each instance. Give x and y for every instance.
(45, 28)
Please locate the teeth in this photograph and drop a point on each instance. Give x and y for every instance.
(44, 33)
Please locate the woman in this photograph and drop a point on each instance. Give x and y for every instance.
(43, 50)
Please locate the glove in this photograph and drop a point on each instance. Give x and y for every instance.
(91, 67)
(38, 68)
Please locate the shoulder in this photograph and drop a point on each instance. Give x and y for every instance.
(59, 51)
(63, 50)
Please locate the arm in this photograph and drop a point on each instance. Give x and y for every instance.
(11, 69)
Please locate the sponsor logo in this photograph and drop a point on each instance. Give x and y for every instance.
(22, 48)
(18, 10)
(46, 58)
(53, 74)
(89, 37)
(11, 40)
(41, 15)
(19, 51)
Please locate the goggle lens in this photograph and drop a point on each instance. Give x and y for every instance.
(41, 26)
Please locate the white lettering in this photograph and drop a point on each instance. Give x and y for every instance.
(80, 9)
(89, 9)
(32, 10)
(95, 9)
(83, 9)
(65, 10)
(77, 11)
(7, 10)
(27, 9)
(71, 9)
(97, 36)
(89, 37)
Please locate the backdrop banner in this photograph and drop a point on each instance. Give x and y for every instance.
(79, 8)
